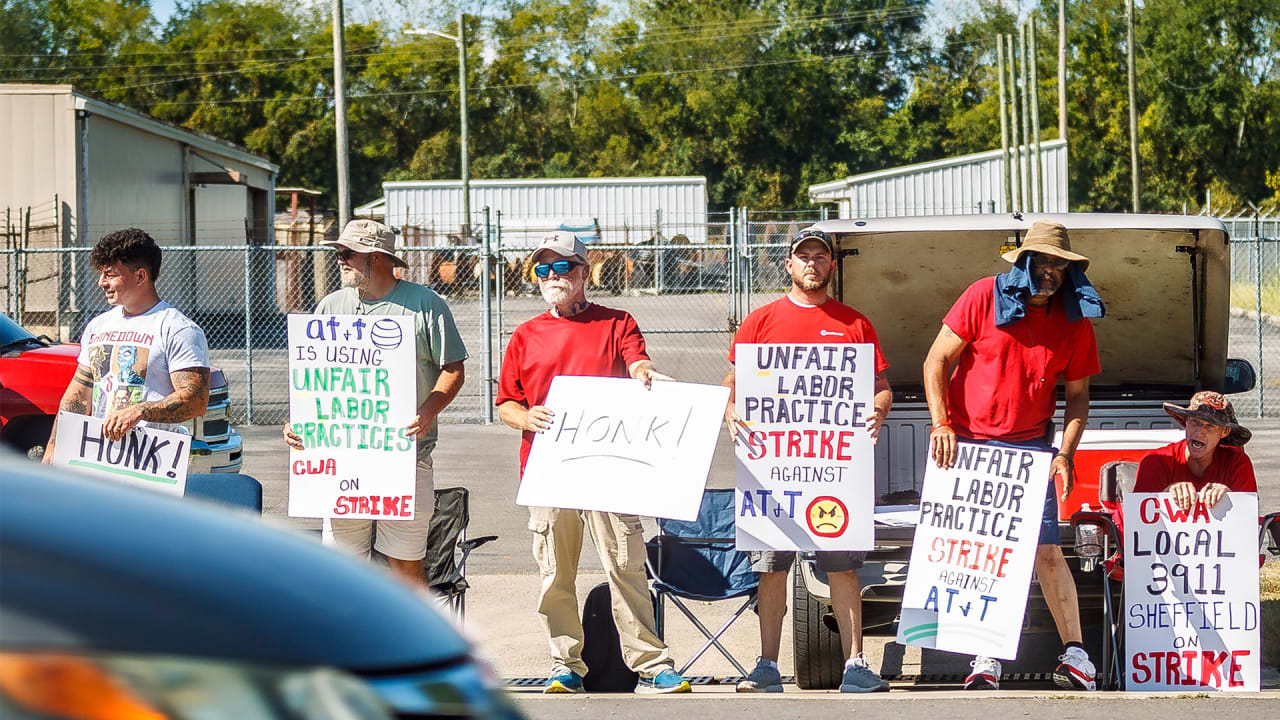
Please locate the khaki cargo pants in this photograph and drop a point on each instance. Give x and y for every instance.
(557, 544)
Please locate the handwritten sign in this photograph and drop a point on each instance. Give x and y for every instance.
(974, 549)
(351, 394)
(1191, 594)
(617, 447)
(145, 457)
(805, 467)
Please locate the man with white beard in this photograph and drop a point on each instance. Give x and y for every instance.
(576, 337)
(368, 262)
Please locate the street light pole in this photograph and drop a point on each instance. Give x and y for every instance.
(461, 40)
(340, 114)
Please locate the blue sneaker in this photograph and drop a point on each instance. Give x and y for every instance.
(667, 681)
(860, 678)
(563, 681)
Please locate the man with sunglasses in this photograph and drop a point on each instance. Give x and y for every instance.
(368, 262)
(1011, 338)
(807, 314)
(577, 337)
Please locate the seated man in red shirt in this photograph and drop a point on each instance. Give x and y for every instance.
(1206, 465)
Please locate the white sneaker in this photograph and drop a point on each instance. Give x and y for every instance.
(1075, 671)
(985, 675)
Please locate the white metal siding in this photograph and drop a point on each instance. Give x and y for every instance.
(627, 209)
(962, 185)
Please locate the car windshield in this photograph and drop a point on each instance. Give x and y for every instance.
(11, 333)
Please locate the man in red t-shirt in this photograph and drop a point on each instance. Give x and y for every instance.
(576, 337)
(807, 315)
(1011, 338)
(1209, 463)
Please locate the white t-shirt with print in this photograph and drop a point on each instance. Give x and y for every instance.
(130, 358)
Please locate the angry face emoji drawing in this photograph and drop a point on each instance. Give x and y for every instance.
(827, 517)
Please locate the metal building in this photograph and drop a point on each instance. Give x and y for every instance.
(76, 167)
(626, 210)
(963, 185)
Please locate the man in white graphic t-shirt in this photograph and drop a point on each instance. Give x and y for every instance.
(142, 360)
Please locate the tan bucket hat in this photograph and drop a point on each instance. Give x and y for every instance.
(1050, 239)
(367, 236)
(1215, 409)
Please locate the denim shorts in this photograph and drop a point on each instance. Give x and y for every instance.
(1049, 534)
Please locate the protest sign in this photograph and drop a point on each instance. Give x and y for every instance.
(617, 447)
(1191, 594)
(352, 392)
(144, 457)
(805, 464)
(974, 549)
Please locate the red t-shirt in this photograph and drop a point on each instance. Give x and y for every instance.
(1161, 468)
(597, 342)
(783, 321)
(1004, 385)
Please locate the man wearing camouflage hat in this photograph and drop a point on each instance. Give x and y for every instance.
(368, 262)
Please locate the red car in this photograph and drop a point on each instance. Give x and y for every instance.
(35, 371)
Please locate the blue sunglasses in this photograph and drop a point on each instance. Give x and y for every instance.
(561, 267)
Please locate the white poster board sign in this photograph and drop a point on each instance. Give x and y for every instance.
(974, 550)
(145, 457)
(617, 447)
(1191, 594)
(352, 392)
(805, 465)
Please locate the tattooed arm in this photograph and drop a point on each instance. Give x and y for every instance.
(190, 398)
(78, 399)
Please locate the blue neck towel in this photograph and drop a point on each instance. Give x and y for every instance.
(1014, 287)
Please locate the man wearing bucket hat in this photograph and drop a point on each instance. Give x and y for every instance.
(1208, 463)
(807, 314)
(368, 261)
(577, 337)
(1011, 338)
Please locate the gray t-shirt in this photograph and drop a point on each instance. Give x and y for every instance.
(438, 340)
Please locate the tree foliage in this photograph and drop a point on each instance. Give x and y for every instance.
(763, 97)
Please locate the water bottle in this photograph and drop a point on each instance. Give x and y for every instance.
(1088, 543)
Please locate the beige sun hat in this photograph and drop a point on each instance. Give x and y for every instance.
(562, 243)
(1050, 239)
(367, 236)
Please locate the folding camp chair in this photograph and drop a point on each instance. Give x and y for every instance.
(448, 547)
(1115, 479)
(240, 491)
(697, 561)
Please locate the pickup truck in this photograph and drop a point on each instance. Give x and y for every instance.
(34, 373)
(1165, 280)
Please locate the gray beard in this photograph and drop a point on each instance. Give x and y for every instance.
(553, 295)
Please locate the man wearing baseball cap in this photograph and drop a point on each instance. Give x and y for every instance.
(368, 261)
(807, 314)
(1011, 338)
(578, 337)
(1208, 463)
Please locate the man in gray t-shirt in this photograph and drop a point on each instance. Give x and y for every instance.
(367, 259)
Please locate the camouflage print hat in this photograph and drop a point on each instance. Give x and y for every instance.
(1215, 409)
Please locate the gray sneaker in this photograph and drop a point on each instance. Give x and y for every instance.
(860, 678)
(764, 679)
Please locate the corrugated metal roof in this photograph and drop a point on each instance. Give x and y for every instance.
(952, 186)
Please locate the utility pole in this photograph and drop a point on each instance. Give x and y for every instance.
(340, 113)
(1023, 53)
(1013, 102)
(1004, 127)
(1038, 205)
(465, 160)
(1062, 69)
(1133, 112)
(466, 155)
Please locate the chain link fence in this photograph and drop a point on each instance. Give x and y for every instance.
(1255, 309)
(687, 283)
